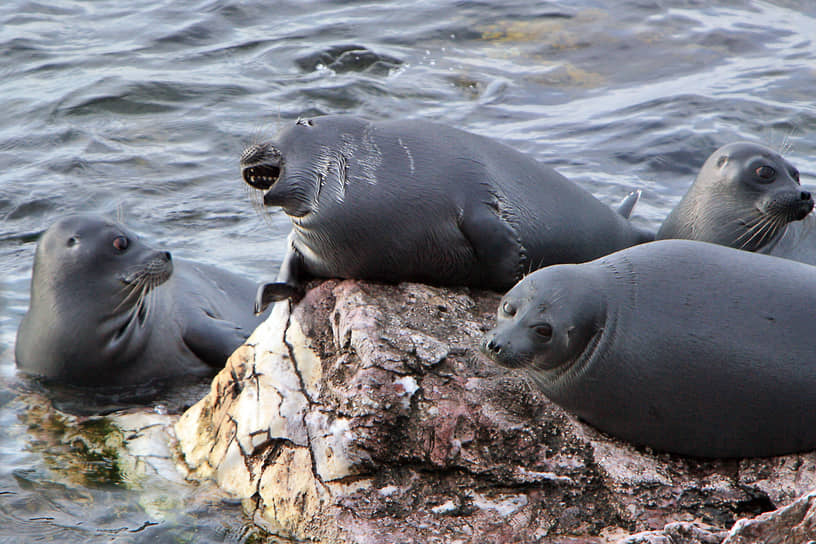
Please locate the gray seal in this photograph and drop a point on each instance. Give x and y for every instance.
(745, 197)
(108, 310)
(683, 346)
(418, 201)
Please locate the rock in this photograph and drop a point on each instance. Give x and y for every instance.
(678, 533)
(364, 414)
(117, 477)
(793, 524)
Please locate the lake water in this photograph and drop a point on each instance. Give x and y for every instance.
(140, 111)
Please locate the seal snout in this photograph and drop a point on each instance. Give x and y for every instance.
(491, 347)
(155, 271)
(498, 352)
(806, 200)
(788, 205)
(260, 166)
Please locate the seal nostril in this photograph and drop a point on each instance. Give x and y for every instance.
(168, 256)
(252, 154)
(806, 195)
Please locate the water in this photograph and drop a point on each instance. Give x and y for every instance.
(140, 110)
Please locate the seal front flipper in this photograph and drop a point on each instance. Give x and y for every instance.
(274, 292)
(488, 228)
(289, 284)
(213, 340)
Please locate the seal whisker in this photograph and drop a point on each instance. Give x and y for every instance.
(758, 224)
(750, 224)
(775, 224)
(787, 142)
(129, 290)
(147, 304)
(760, 229)
(772, 227)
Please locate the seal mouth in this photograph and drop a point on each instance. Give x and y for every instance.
(502, 354)
(261, 177)
(260, 166)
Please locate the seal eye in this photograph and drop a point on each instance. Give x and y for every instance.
(121, 243)
(72, 241)
(544, 331)
(765, 173)
(795, 174)
(509, 309)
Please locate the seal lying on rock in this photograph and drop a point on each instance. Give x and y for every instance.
(746, 197)
(684, 346)
(417, 201)
(106, 309)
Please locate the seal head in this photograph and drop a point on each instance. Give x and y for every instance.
(91, 290)
(549, 323)
(744, 197)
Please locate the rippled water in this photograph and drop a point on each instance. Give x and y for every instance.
(140, 110)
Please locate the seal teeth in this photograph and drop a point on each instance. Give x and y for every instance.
(261, 176)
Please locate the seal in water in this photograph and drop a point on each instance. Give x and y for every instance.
(745, 197)
(107, 310)
(417, 201)
(687, 347)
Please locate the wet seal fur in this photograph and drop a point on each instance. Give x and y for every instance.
(745, 196)
(687, 347)
(418, 201)
(107, 310)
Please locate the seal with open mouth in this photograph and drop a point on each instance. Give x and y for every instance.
(418, 201)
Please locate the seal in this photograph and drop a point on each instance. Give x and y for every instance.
(798, 242)
(418, 201)
(745, 196)
(687, 347)
(108, 310)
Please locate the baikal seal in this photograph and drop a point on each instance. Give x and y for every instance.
(419, 201)
(108, 310)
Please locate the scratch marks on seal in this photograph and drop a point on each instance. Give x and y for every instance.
(371, 160)
(625, 274)
(408, 153)
(322, 167)
(331, 169)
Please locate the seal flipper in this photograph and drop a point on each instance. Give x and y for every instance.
(628, 204)
(495, 242)
(274, 292)
(213, 340)
(289, 284)
(625, 210)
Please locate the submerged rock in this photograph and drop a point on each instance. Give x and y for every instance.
(364, 414)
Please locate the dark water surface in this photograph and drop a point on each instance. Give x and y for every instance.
(140, 110)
